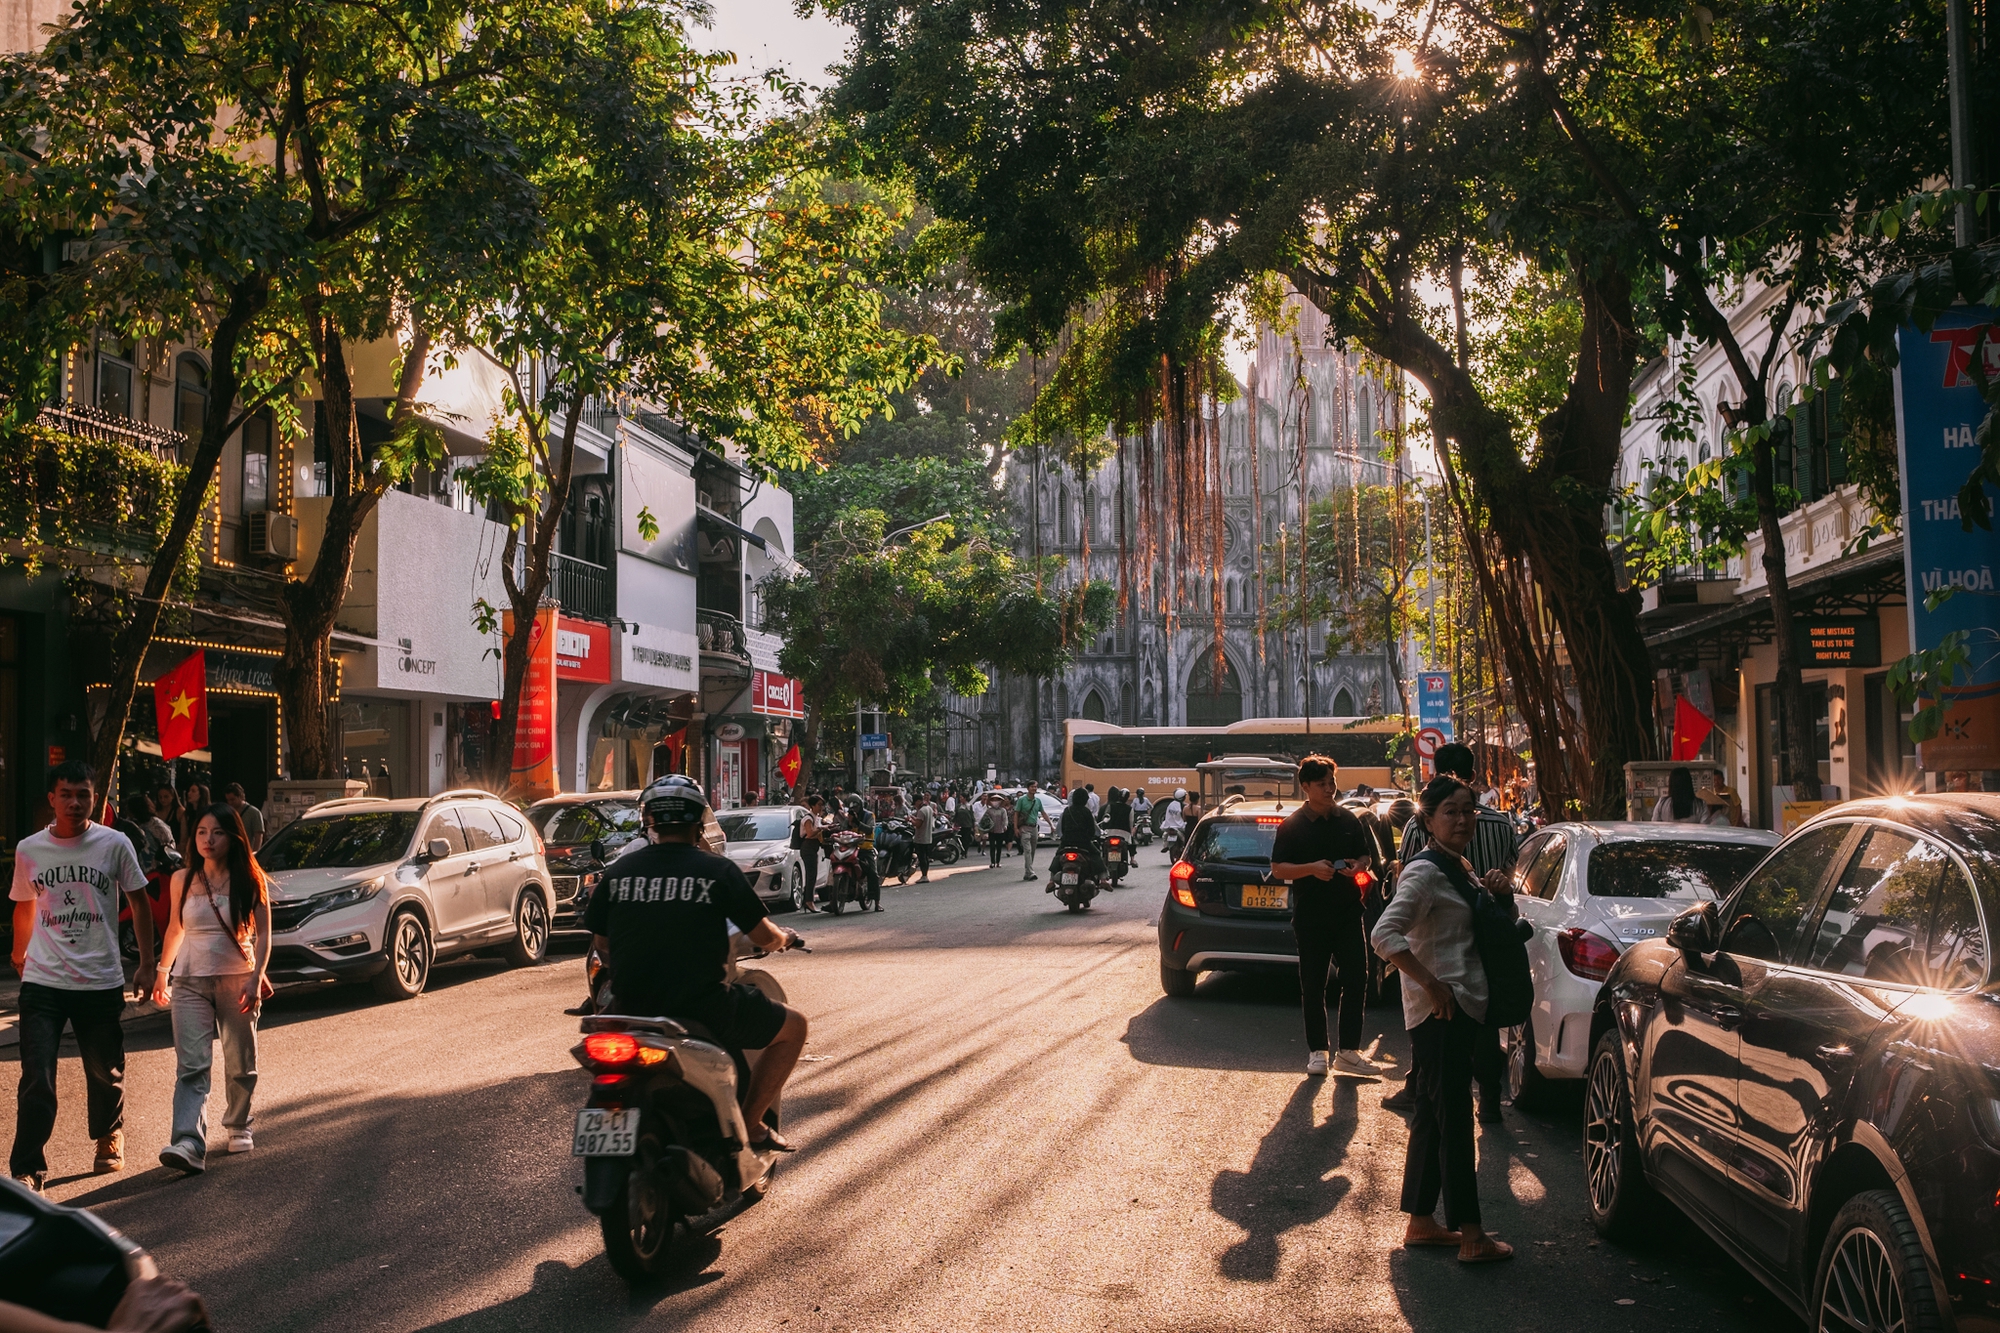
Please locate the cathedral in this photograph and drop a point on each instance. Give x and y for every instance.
(1156, 667)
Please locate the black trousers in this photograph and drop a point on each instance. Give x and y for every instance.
(93, 1016)
(1333, 969)
(924, 859)
(995, 844)
(1441, 1157)
(809, 869)
(1488, 1065)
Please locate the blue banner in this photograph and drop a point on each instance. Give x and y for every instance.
(1938, 411)
(1434, 701)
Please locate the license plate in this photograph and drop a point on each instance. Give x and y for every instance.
(606, 1133)
(1275, 897)
(1069, 879)
(1116, 856)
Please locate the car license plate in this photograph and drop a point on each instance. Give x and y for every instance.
(1069, 879)
(1271, 897)
(606, 1133)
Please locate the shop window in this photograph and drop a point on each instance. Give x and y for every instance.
(115, 374)
(375, 744)
(190, 395)
(1775, 768)
(256, 438)
(1892, 755)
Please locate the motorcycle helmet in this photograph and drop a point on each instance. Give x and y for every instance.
(1180, 793)
(674, 801)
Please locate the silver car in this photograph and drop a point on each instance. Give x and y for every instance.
(760, 843)
(377, 890)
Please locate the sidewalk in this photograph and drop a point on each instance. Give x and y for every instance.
(10, 1008)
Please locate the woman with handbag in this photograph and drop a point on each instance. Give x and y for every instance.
(1429, 931)
(217, 947)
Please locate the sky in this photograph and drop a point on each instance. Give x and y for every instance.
(763, 33)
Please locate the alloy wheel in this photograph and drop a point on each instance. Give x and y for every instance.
(1603, 1135)
(1861, 1291)
(1517, 1060)
(534, 926)
(410, 953)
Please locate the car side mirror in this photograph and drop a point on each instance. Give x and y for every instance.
(1695, 932)
(437, 849)
(597, 849)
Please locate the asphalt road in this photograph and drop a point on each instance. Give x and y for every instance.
(1004, 1125)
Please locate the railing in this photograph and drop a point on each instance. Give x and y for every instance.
(582, 588)
(720, 632)
(91, 423)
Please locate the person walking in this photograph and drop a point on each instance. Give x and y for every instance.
(252, 817)
(999, 821)
(67, 879)
(212, 968)
(1027, 827)
(193, 801)
(811, 832)
(1318, 848)
(923, 835)
(1426, 931)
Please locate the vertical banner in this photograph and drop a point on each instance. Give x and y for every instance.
(180, 703)
(535, 723)
(1434, 701)
(1938, 411)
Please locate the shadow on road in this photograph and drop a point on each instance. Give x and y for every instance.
(558, 1294)
(1236, 1020)
(1290, 1182)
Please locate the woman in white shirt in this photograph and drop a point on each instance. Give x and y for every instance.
(1681, 806)
(1426, 932)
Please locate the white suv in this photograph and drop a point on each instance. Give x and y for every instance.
(367, 888)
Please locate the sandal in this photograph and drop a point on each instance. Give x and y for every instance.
(1450, 1238)
(774, 1142)
(1492, 1252)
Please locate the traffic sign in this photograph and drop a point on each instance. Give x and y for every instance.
(1428, 741)
(874, 740)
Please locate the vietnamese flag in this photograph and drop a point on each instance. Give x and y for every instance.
(789, 767)
(1691, 728)
(180, 705)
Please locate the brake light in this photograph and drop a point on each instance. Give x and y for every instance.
(541, 848)
(1177, 883)
(1069, 856)
(611, 1048)
(1588, 956)
(1182, 871)
(1269, 820)
(1363, 878)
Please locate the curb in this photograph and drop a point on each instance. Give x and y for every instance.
(135, 1012)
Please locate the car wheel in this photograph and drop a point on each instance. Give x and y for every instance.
(531, 931)
(1526, 1088)
(798, 894)
(1620, 1199)
(1873, 1274)
(408, 949)
(1176, 981)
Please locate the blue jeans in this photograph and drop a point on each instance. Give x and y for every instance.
(100, 1041)
(205, 1008)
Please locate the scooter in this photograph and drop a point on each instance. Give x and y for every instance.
(666, 1153)
(65, 1263)
(1117, 854)
(896, 851)
(1076, 877)
(1142, 836)
(847, 878)
(1170, 841)
(947, 849)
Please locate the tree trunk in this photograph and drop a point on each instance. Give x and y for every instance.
(128, 648)
(1800, 759)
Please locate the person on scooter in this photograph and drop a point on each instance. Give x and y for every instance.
(1078, 833)
(1118, 810)
(662, 915)
(1173, 824)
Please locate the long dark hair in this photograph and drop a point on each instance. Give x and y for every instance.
(246, 877)
(1680, 791)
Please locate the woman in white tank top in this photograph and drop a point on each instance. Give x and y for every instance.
(212, 964)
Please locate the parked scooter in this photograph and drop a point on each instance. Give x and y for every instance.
(947, 849)
(847, 878)
(665, 1150)
(896, 850)
(1076, 876)
(66, 1263)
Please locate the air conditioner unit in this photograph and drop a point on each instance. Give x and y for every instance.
(274, 535)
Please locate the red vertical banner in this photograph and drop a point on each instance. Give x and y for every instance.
(535, 721)
(180, 702)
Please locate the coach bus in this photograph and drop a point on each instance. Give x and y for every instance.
(1157, 759)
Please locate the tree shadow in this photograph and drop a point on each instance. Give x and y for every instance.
(1239, 1021)
(559, 1294)
(1290, 1182)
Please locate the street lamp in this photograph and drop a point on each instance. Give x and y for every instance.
(904, 532)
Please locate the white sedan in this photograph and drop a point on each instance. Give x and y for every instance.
(1590, 891)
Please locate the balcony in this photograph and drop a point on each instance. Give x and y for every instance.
(92, 424)
(721, 635)
(582, 588)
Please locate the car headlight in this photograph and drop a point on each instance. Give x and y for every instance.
(770, 859)
(345, 896)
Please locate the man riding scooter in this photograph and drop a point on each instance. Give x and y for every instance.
(1078, 833)
(661, 916)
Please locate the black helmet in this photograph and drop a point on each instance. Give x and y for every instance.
(674, 800)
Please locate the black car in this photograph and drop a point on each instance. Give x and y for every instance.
(569, 825)
(1220, 914)
(1810, 1069)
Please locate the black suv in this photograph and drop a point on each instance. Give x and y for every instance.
(1810, 1069)
(1220, 914)
(569, 825)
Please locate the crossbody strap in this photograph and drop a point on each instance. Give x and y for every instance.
(249, 955)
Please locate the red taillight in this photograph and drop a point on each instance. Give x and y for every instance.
(1588, 956)
(1363, 878)
(541, 848)
(1178, 885)
(611, 1048)
(1182, 871)
(1269, 819)
(1069, 856)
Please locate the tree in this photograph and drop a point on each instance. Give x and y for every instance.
(877, 617)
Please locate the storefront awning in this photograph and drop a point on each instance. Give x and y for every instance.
(1862, 584)
(707, 515)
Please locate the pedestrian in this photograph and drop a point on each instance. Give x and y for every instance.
(1681, 805)
(167, 806)
(67, 879)
(999, 822)
(1319, 847)
(811, 832)
(1090, 788)
(1027, 827)
(194, 800)
(923, 834)
(252, 817)
(212, 970)
(166, 854)
(1495, 846)
(1427, 932)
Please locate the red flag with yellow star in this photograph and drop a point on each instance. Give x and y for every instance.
(180, 703)
(1691, 728)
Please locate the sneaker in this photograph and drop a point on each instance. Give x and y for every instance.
(239, 1140)
(111, 1152)
(32, 1181)
(178, 1157)
(1316, 1063)
(1357, 1064)
(1404, 1100)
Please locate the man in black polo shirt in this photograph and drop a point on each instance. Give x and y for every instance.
(1318, 848)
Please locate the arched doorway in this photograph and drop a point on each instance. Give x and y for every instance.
(1093, 707)
(1343, 703)
(1213, 701)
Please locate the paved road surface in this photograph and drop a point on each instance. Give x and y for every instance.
(1005, 1126)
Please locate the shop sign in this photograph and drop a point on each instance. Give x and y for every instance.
(583, 650)
(1434, 701)
(1837, 643)
(535, 723)
(730, 731)
(654, 655)
(776, 696)
(226, 669)
(1938, 411)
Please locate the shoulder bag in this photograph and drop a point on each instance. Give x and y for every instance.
(1501, 939)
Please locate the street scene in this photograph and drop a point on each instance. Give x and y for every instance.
(938, 664)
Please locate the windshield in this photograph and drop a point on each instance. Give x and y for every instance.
(340, 842)
(1663, 869)
(1234, 840)
(757, 825)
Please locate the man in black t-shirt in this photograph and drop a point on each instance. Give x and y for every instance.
(661, 916)
(1318, 848)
